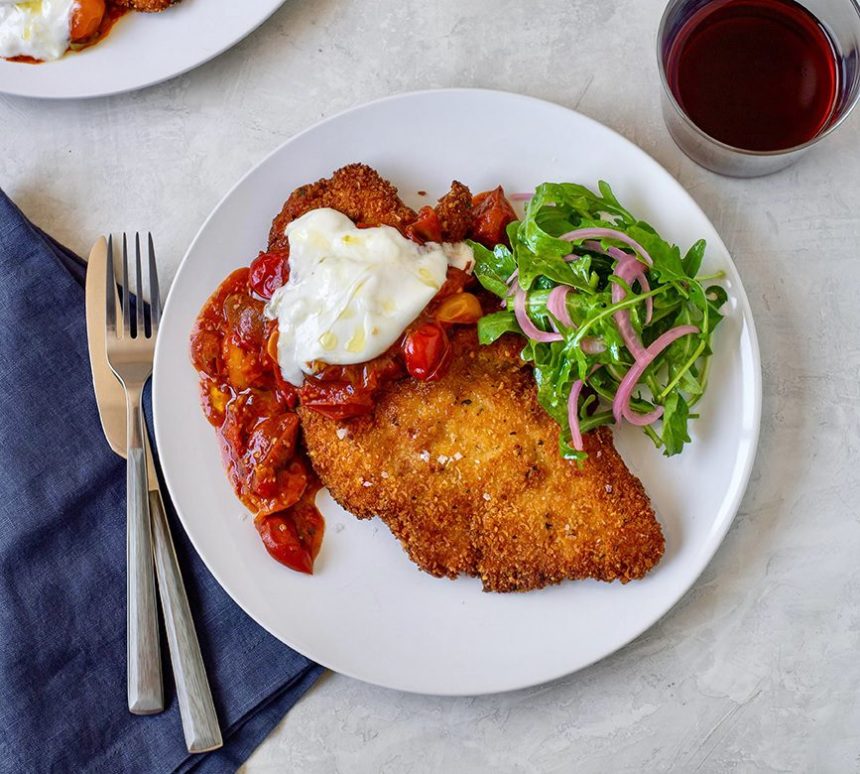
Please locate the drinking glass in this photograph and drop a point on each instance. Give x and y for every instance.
(841, 21)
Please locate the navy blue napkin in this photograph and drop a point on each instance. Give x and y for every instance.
(62, 559)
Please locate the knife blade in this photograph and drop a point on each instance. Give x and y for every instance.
(196, 708)
(110, 397)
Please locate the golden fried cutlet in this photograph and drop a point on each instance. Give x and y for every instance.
(147, 6)
(455, 213)
(360, 193)
(467, 474)
(356, 190)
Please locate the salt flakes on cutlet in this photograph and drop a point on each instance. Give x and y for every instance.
(341, 433)
(425, 455)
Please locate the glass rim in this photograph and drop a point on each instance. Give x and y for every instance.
(846, 111)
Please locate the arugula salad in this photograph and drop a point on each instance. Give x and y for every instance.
(617, 322)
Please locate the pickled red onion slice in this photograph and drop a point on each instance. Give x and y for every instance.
(621, 403)
(607, 233)
(556, 305)
(527, 326)
(573, 415)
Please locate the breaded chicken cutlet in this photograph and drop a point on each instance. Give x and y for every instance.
(467, 474)
(146, 6)
(466, 471)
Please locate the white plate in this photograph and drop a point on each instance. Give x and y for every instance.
(368, 612)
(142, 49)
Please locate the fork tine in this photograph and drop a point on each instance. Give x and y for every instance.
(154, 294)
(126, 304)
(139, 331)
(110, 291)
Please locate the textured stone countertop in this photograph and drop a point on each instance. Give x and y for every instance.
(756, 669)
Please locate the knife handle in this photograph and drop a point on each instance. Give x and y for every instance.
(145, 689)
(199, 720)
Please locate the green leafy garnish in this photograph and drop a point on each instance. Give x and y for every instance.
(594, 348)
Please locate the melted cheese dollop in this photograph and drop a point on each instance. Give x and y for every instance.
(38, 28)
(352, 291)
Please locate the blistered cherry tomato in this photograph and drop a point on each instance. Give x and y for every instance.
(491, 213)
(269, 271)
(336, 400)
(244, 316)
(282, 541)
(310, 525)
(86, 18)
(455, 281)
(462, 308)
(426, 227)
(427, 352)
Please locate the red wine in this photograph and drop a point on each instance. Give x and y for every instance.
(756, 74)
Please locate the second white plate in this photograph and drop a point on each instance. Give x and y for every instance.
(368, 612)
(142, 49)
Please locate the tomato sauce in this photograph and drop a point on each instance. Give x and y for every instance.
(113, 13)
(244, 396)
(253, 411)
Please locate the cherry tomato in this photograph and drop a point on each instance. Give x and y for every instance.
(86, 18)
(242, 367)
(269, 271)
(214, 398)
(491, 213)
(270, 447)
(336, 400)
(309, 522)
(244, 316)
(281, 539)
(280, 492)
(427, 352)
(455, 281)
(206, 350)
(208, 331)
(462, 308)
(426, 227)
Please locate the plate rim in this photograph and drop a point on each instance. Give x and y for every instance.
(86, 93)
(704, 558)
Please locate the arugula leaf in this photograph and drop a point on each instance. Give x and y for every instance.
(666, 257)
(493, 326)
(693, 258)
(675, 415)
(494, 267)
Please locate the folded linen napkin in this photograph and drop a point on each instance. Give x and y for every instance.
(62, 559)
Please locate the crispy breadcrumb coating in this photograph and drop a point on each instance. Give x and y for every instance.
(455, 213)
(147, 6)
(355, 190)
(466, 472)
(366, 198)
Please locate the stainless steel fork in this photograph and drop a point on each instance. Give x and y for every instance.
(129, 345)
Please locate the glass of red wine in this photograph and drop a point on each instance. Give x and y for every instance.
(750, 85)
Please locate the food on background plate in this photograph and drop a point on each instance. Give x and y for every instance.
(43, 30)
(353, 340)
